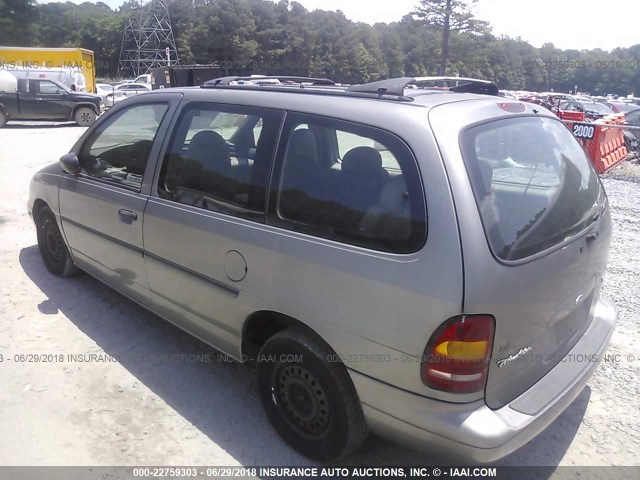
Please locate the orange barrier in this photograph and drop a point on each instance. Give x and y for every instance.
(571, 116)
(607, 147)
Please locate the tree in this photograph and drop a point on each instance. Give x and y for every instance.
(16, 18)
(449, 16)
(282, 37)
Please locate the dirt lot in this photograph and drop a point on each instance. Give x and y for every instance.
(145, 409)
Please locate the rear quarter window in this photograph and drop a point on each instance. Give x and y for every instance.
(349, 183)
(532, 181)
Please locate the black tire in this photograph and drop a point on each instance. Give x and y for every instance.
(53, 250)
(84, 117)
(309, 396)
(3, 119)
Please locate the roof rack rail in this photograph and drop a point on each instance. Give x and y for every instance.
(463, 84)
(391, 86)
(396, 86)
(258, 78)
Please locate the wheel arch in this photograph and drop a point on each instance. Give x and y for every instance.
(38, 205)
(90, 105)
(264, 324)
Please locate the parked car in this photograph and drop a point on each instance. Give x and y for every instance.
(133, 88)
(423, 265)
(632, 118)
(592, 110)
(104, 90)
(621, 107)
(46, 100)
(632, 136)
(124, 90)
(542, 100)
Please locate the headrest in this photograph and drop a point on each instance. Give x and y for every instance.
(209, 142)
(211, 150)
(362, 161)
(302, 144)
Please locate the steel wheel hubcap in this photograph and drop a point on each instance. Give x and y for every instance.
(53, 240)
(303, 399)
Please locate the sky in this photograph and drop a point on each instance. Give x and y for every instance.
(568, 24)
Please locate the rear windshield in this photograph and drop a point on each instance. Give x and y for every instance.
(533, 183)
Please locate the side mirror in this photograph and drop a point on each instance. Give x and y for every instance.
(70, 163)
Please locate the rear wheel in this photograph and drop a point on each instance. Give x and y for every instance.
(85, 116)
(53, 250)
(309, 397)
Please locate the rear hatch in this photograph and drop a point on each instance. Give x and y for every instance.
(539, 265)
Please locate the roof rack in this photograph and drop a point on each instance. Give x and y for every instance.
(463, 84)
(391, 89)
(396, 86)
(222, 81)
(391, 86)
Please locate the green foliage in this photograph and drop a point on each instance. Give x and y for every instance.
(449, 17)
(258, 36)
(17, 18)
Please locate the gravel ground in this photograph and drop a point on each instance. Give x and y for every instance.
(146, 410)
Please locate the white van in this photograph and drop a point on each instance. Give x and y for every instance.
(70, 77)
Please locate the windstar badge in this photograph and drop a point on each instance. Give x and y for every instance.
(512, 358)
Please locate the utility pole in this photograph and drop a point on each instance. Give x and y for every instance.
(147, 40)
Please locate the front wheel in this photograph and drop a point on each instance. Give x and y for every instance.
(85, 117)
(309, 396)
(53, 250)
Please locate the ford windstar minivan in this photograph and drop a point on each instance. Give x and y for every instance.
(422, 263)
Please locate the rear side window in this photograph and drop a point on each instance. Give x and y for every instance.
(533, 183)
(350, 183)
(220, 158)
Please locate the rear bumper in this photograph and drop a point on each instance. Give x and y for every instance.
(472, 431)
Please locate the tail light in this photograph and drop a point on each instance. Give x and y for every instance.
(456, 359)
(512, 107)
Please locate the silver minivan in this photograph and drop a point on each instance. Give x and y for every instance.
(421, 263)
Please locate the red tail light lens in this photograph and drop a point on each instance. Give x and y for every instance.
(456, 359)
(512, 107)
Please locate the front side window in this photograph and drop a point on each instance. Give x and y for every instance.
(48, 88)
(220, 157)
(349, 183)
(533, 183)
(118, 149)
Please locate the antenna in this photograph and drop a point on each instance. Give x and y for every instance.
(147, 40)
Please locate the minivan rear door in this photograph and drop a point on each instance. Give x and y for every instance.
(535, 234)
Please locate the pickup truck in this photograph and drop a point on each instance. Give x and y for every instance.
(48, 100)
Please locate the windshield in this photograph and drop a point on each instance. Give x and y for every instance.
(626, 107)
(597, 107)
(533, 183)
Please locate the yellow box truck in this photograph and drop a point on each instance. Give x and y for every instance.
(74, 59)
